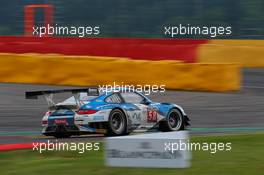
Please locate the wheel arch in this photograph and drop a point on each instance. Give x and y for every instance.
(177, 108)
(185, 117)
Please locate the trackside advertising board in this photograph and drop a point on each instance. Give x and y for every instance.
(156, 150)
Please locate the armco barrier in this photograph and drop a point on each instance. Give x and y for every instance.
(69, 70)
(135, 48)
(249, 53)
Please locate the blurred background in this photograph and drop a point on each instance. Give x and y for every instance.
(136, 18)
(219, 82)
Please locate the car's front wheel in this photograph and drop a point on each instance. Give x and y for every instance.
(117, 123)
(173, 122)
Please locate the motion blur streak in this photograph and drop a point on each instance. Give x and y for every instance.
(44, 69)
(134, 48)
(16, 146)
(249, 53)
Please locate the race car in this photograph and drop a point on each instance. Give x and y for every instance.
(114, 113)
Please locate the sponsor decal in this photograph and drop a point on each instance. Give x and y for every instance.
(60, 121)
(99, 117)
(101, 131)
(152, 115)
(136, 116)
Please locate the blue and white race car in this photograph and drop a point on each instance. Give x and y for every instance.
(115, 113)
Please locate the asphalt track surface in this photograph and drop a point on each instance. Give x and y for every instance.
(20, 118)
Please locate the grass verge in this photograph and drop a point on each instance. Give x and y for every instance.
(246, 157)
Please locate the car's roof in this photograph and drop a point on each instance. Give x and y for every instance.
(120, 90)
(102, 94)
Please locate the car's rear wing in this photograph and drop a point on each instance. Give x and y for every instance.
(91, 91)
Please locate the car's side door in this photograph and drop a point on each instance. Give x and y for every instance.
(136, 110)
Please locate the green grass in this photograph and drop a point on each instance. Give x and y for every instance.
(246, 157)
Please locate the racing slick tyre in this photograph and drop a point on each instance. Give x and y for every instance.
(174, 121)
(117, 124)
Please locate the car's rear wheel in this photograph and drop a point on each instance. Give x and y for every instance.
(117, 123)
(173, 122)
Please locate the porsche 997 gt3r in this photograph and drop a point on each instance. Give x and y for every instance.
(91, 110)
